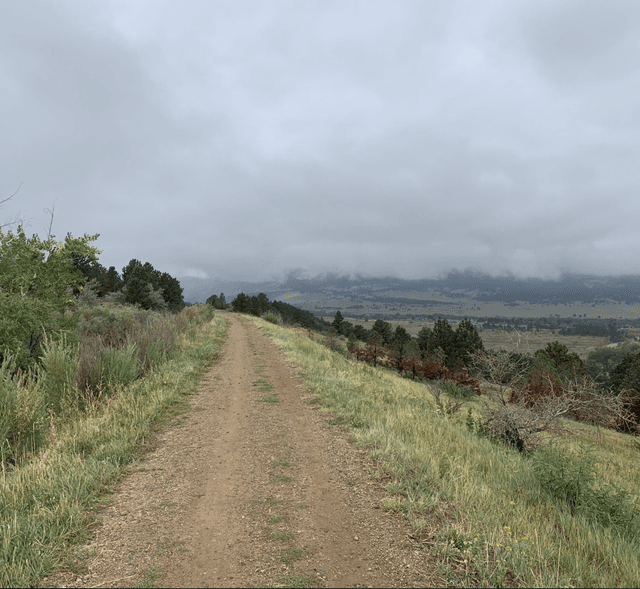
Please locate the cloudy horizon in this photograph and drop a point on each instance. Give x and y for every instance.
(238, 140)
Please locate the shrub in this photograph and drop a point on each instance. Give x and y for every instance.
(456, 397)
(274, 317)
(157, 338)
(572, 480)
(520, 411)
(465, 380)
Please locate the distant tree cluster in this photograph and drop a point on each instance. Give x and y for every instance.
(217, 302)
(140, 284)
(438, 353)
(259, 305)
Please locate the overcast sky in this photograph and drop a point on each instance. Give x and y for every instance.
(240, 140)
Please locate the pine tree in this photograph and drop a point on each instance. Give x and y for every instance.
(444, 337)
(172, 292)
(467, 341)
(384, 329)
(113, 280)
(425, 340)
(337, 322)
(241, 303)
(401, 339)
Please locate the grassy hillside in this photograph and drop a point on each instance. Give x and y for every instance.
(488, 511)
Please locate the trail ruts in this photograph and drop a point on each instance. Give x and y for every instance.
(252, 488)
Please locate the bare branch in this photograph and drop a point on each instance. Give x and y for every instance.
(17, 218)
(51, 212)
(10, 197)
(517, 410)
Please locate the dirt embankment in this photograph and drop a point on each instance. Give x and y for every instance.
(252, 488)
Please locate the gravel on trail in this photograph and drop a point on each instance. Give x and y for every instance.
(251, 488)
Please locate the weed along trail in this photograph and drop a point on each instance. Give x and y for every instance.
(251, 488)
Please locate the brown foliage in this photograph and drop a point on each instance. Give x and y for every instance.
(520, 410)
(462, 378)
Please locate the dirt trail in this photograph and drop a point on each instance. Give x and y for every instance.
(252, 488)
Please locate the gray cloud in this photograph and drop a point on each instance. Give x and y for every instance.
(241, 140)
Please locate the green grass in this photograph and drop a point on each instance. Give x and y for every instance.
(291, 554)
(263, 385)
(272, 399)
(478, 500)
(45, 503)
(281, 536)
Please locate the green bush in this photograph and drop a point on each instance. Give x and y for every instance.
(453, 390)
(273, 317)
(572, 480)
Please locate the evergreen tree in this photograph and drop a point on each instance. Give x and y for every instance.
(337, 322)
(557, 358)
(626, 375)
(360, 333)
(401, 339)
(172, 292)
(467, 341)
(385, 331)
(113, 280)
(241, 303)
(444, 337)
(138, 292)
(425, 340)
(346, 327)
(262, 303)
(150, 289)
(91, 270)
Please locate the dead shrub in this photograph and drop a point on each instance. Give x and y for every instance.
(518, 410)
(454, 400)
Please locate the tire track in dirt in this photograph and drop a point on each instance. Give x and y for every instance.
(247, 491)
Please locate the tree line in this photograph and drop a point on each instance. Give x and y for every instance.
(260, 305)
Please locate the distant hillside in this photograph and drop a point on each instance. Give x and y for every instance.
(465, 285)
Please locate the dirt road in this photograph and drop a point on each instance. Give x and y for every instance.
(252, 488)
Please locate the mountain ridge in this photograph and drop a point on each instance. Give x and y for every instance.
(465, 285)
